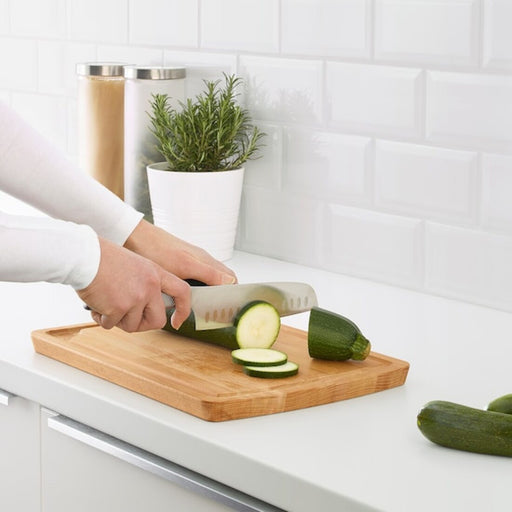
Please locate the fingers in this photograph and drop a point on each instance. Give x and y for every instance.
(180, 292)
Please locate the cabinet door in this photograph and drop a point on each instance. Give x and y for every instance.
(19, 454)
(84, 469)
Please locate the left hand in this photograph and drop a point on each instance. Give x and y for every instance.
(177, 256)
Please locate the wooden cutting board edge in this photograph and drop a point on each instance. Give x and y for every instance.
(288, 397)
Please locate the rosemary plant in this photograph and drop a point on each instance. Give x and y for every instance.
(210, 133)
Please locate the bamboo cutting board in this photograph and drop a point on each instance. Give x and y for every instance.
(200, 378)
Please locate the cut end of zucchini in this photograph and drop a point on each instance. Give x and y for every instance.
(272, 372)
(258, 357)
(361, 348)
(257, 325)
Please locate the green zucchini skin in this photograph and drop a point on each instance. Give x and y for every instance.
(502, 404)
(466, 428)
(335, 337)
(224, 337)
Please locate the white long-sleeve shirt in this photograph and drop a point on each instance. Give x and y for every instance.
(63, 248)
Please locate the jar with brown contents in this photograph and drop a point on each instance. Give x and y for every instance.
(101, 123)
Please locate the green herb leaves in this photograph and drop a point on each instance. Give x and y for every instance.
(210, 133)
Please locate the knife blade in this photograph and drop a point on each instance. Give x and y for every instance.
(216, 306)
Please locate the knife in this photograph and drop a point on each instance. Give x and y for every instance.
(216, 306)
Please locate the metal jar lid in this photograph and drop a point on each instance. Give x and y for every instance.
(100, 69)
(154, 72)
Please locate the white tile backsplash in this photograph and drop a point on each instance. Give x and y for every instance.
(497, 46)
(18, 70)
(332, 28)
(370, 99)
(40, 19)
(373, 245)
(97, 20)
(286, 90)
(497, 192)
(443, 33)
(326, 165)
(469, 265)
(224, 25)
(424, 181)
(163, 22)
(470, 109)
(389, 122)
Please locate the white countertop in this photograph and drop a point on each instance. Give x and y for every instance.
(365, 453)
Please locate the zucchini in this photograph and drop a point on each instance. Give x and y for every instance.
(257, 324)
(465, 428)
(272, 372)
(502, 404)
(258, 357)
(335, 337)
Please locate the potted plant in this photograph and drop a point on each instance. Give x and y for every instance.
(195, 193)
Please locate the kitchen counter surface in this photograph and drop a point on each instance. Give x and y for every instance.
(361, 454)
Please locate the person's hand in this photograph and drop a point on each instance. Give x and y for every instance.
(127, 292)
(177, 256)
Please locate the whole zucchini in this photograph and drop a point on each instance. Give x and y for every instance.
(502, 404)
(465, 428)
(335, 337)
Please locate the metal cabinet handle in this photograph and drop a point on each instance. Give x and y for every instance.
(5, 396)
(159, 466)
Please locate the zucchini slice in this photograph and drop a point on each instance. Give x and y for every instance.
(257, 325)
(258, 357)
(272, 372)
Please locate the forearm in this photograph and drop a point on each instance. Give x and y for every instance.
(43, 249)
(32, 170)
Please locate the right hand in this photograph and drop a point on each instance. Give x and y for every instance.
(127, 292)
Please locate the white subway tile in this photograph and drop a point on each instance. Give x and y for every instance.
(265, 170)
(374, 98)
(164, 22)
(288, 90)
(4, 17)
(47, 114)
(98, 21)
(280, 225)
(246, 25)
(135, 55)
(469, 265)
(497, 34)
(373, 245)
(326, 165)
(469, 109)
(19, 64)
(431, 32)
(497, 192)
(426, 181)
(37, 18)
(200, 67)
(333, 28)
(57, 65)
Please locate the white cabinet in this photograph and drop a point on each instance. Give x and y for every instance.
(84, 469)
(19, 454)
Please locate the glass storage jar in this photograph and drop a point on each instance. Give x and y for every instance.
(101, 122)
(139, 143)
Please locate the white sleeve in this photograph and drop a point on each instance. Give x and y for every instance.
(45, 249)
(35, 172)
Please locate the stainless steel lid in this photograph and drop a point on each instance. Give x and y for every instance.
(154, 72)
(100, 69)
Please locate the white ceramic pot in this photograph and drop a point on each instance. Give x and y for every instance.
(199, 207)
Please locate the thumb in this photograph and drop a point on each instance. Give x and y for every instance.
(180, 291)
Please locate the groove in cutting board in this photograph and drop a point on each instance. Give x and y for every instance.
(200, 378)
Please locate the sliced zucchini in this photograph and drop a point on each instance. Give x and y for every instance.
(258, 357)
(272, 372)
(257, 325)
